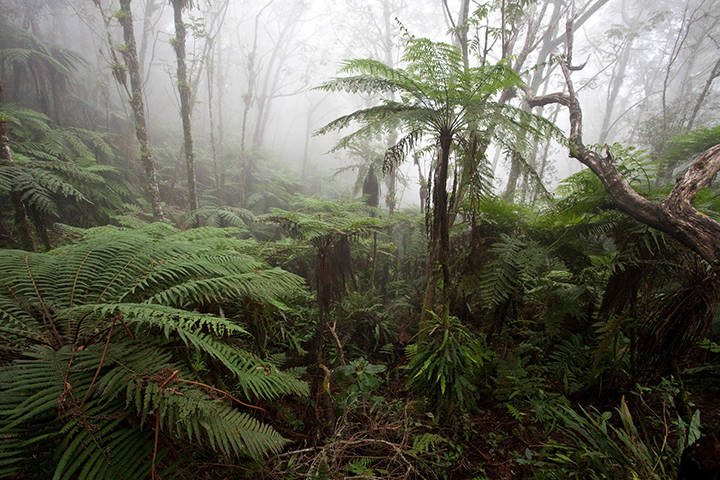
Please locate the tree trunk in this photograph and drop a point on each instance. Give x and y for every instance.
(178, 44)
(213, 144)
(137, 103)
(515, 170)
(696, 109)
(439, 249)
(618, 79)
(146, 32)
(422, 182)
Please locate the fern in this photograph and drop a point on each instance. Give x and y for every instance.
(515, 267)
(427, 442)
(56, 168)
(95, 328)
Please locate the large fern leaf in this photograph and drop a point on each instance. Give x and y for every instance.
(98, 330)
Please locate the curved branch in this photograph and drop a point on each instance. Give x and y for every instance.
(676, 215)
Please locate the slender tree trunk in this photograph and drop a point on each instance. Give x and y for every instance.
(391, 179)
(213, 144)
(20, 220)
(147, 27)
(137, 103)
(185, 102)
(460, 39)
(713, 75)
(306, 147)
(617, 82)
(220, 82)
(515, 170)
(422, 182)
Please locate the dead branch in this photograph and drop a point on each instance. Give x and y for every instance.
(676, 215)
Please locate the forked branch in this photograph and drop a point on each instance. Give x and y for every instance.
(676, 215)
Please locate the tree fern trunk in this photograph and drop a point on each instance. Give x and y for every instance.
(21, 223)
(438, 267)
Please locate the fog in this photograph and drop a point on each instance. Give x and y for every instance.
(253, 68)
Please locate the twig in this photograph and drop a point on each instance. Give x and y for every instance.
(337, 340)
(102, 360)
(222, 392)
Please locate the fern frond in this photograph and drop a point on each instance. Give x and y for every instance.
(100, 322)
(224, 428)
(515, 266)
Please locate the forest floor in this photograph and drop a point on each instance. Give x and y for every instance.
(381, 435)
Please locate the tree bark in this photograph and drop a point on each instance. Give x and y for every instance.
(213, 144)
(438, 266)
(185, 92)
(618, 79)
(515, 169)
(696, 109)
(129, 53)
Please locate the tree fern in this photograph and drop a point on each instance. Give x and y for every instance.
(448, 102)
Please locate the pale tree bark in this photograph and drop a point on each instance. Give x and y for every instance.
(696, 109)
(249, 100)
(423, 183)
(618, 79)
(270, 86)
(391, 178)
(137, 102)
(220, 82)
(676, 215)
(308, 132)
(213, 143)
(148, 26)
(185, 92)
(210, 44)
(547, 43)
(513, 176)
(460, 34)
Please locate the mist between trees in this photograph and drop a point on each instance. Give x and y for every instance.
(359, 239)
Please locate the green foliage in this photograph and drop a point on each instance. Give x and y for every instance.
(40, 70)
(603, 450)
(95, 335)
(517, 265)
(220, 217)
(438, 94)
(56, 170)
(445, 365)
(684, 147)
(363, 376)
(570, 363)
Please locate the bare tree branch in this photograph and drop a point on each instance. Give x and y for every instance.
(675, 216)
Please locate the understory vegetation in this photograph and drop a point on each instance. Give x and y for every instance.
(578, 344)
(276, 326)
